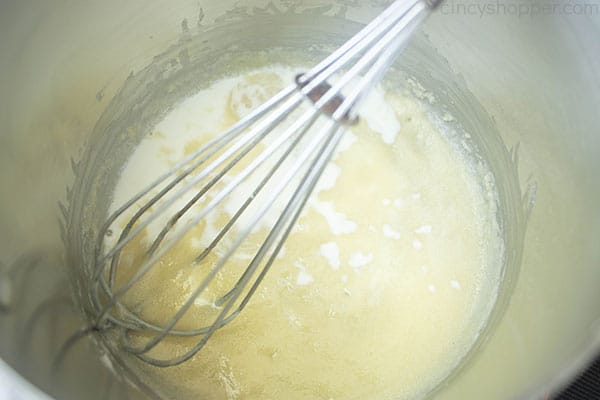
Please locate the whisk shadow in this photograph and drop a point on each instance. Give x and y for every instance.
(52, 344)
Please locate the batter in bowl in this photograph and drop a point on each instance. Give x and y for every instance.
(378, 292)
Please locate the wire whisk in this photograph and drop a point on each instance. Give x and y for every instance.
(277, 153)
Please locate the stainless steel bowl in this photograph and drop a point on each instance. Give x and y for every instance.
(532, 67)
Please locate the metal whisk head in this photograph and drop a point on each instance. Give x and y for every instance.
(269, 162)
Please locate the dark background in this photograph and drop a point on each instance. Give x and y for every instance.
(586, 387)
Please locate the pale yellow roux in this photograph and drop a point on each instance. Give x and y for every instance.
(376, 294)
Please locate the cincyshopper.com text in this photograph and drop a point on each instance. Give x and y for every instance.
(518, 8)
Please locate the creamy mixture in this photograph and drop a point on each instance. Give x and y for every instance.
(377, 292)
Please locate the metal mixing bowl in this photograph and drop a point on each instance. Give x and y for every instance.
(532, 67)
